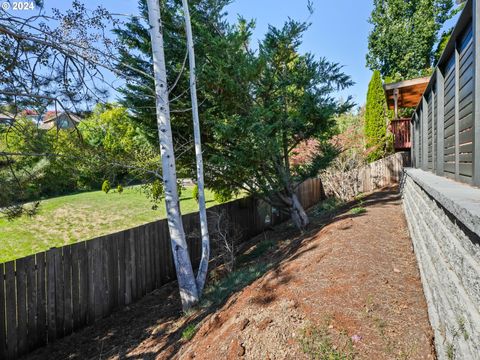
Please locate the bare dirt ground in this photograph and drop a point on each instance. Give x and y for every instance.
(348, 288)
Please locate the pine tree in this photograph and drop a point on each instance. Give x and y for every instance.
(376, 118)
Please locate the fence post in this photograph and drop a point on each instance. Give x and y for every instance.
(476, 91)
(424, 134)
(440, 104)
(457, 114)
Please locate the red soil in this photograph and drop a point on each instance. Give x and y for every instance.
(354, 279)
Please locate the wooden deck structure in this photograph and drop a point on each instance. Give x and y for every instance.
(405, 94)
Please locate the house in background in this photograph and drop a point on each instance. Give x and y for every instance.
(59, 120)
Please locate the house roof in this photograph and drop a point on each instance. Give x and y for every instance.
(53, 115)
(409, 92)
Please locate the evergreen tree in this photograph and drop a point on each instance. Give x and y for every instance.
(288, 99)
(376, 118)
(402, 41)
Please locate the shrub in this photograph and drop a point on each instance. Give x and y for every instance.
(222, 196)
(376, 118)
(120, 189)
(189, 332)
(195, 194)
(106, 186)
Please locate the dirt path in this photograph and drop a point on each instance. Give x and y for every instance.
(350, 289)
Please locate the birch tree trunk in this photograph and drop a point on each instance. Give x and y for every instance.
(203, 267)
(183, 265)
(299, 216)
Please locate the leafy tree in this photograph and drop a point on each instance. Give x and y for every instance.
(288, 98)
(376, 118)
(401, 43)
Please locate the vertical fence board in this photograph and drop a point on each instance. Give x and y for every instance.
(11, 309)
(75, 251)
(148, 270)
(42, 329)
(128, 266)
(22, 316)
(51, 298)
(31, 271)
(121, 268)
(59, 293)
(67, 286)
(3, 317)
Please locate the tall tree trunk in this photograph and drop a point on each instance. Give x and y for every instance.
(183, 265)
(203, 267)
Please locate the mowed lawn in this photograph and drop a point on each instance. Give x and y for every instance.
(69, 219)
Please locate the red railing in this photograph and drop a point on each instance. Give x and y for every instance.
(401, 132)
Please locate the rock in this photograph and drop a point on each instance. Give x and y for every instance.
(262, 325)
(243, 324)
(236, 349)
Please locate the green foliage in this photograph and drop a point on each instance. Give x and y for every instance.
(259, 250)
(155, 192)
(327, 206)
(120, 189)
(317, 344)
(293, 102)
(195, 193)
(189, 332)
(217, 293)
(376, 119)
(222, 196)
(106, 186)
(357, 210)
(401, 43)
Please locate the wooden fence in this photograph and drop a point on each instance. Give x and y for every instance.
(384, 172)
(49, 295)
(446, 123)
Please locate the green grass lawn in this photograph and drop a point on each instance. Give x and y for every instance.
(68, 219)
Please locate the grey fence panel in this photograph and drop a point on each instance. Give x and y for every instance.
(447, 120)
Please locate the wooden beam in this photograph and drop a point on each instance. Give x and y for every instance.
(440, 122)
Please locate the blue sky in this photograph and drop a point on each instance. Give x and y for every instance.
(338, 32)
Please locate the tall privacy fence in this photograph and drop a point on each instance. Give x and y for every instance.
(49, 295)
(364, 179)
(446, 124)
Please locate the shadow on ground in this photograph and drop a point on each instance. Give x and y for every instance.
(153, 327)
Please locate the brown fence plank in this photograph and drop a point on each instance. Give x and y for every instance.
(67, 290)
(147, 254)
(22, 315)
(75, 251)
(98, 278)
(51, 298)
(3, 319)
(31, 271)
(59, 293)
(121, 264)
(11, 309)
(128, 266)
(42, 329)
(91, 281)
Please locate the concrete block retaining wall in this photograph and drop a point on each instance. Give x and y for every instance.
(444, 222)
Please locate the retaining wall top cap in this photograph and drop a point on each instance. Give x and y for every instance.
(462, 200)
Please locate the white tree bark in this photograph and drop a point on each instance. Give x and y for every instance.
(299, 216)
(183, 265)
(203, 267)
